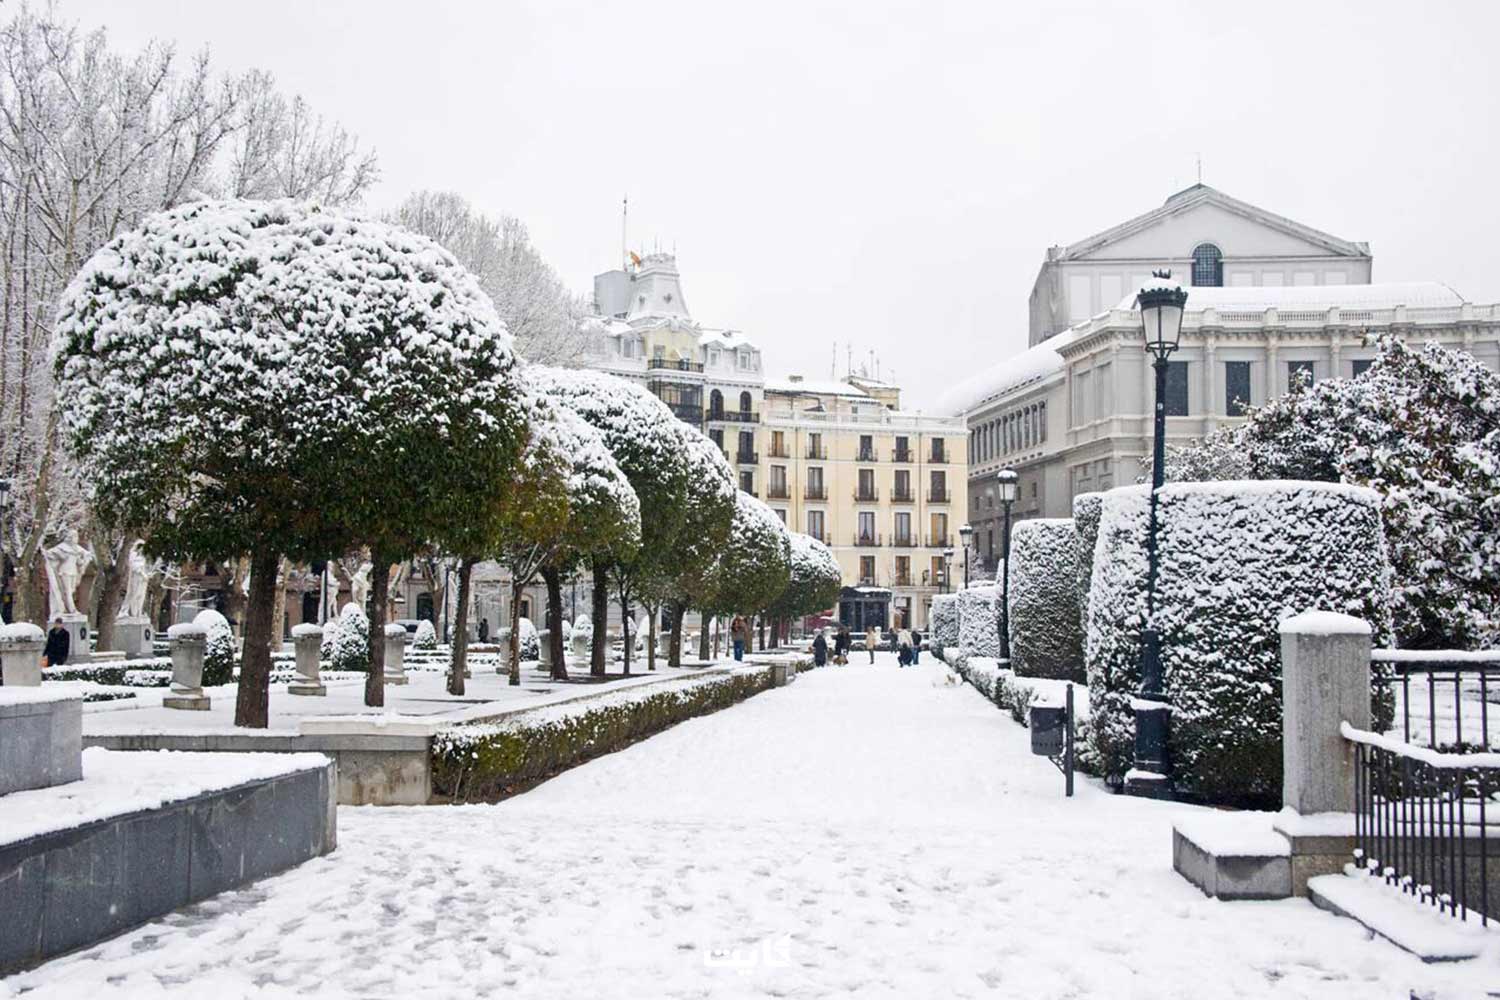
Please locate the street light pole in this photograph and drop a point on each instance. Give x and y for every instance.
(1010, 487)
(1161, 301)
(947, 570)
(965, 535)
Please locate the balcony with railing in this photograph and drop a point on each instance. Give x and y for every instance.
(901, 580)
(907, 541)
(669, 364)
(866, 494)
(939, 455)
(735, 416)
(691, 413)
(899, 495)
(867, 581)
(866, 455)
(817, 452)
(939, 496)
(866, 539)
(902, 455)
(815, 493)
(778, 451)
(823, 537)
(778, 491)
(747, 457)
(939, 541)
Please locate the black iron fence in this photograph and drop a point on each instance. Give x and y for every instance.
(1442, 697)
(1423, 822)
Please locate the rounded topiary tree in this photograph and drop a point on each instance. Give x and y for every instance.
(1046, 637)
(1086, 509)
(1235, 560)
(218, 650)
(813, 582)
(275, 379)
(425, 637)
(753, 569)
(350, 649)
(942, 624)
(979, 621)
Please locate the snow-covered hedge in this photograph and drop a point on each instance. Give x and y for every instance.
(942, 625)
(1236, 558)
(1086, 508)
(426, 636)
(1046, 636)
(1017, 694)
(531, 646)
(978, 622)
(350, 648)
(489, 761)
(218, 653)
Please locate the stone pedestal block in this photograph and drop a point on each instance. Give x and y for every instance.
(78, 638)
(133, 632)
(41, 738)
(395, 654)
(544, 637)
(1325, 677)
(21, 646)
(307, 640)
(188, 642)
(502, 663)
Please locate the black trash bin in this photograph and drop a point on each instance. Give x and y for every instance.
(1048, 729)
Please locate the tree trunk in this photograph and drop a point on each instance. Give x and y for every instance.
(154, 589)
(760, 642)
(278, 610)
(625, 628)
(460, 655)
(380, 579)
(515, 633)
(553, 580)
(651, 636)
(601, 619)
(112, 580)
(674, 653)
(234, 593)
(252, 703)
(703, 638)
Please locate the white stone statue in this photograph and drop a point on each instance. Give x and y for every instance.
(66, 562)
(359, 584)
(135, 586)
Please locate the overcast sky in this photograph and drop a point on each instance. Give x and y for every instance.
(883, 175)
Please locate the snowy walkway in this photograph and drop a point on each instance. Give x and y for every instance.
(859, 834)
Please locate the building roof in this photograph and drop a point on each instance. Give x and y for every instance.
(816, 387)
(728, 339)
(1199, 194)
(656, 289)
(1258, 298)
(1031, 365)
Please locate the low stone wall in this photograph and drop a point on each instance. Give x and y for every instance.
(68, 889)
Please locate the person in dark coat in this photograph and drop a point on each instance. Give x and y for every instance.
(56, 653)
(916, 646)
(842, 640)
(820, 650)
(484, 630)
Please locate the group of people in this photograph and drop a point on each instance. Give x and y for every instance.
(908, 643)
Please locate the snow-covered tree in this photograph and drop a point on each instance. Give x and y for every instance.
(218, 649)
(92, 140)
(813, 582)
(645, 440)
(272, 378)
(1046, 636)
(350, 646)
(754, 567)
(543, 316)
(426, 636)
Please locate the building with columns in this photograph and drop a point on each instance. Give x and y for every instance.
(1276, 301)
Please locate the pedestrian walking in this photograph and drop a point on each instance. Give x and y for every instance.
(484, 630)
(58, 641)
(916, 646)
(820, 649)
(903, 648)
(872, 641)
(842, 643)
(739, 634)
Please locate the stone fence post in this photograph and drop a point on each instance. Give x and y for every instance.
(1325, 681)
(307, 639)
(21, 646)
(545, 650)
(395, 654)
(188, 642)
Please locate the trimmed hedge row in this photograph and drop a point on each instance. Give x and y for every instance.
(1046, 637)
(487, 762)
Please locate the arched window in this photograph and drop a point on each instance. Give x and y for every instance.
(716, 403)
(1208, 266)
(745, 403)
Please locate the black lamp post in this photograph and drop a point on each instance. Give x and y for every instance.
(947, 570)
(1010, 488)
(965, 535)
(1161, 302)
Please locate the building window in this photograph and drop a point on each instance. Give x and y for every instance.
(867, 527)
(1362, 365)
(866, 448)
(1208, 266)
(1298, 374)
(1177, 389)
(716, 435)
(715, 404)
(938, 454)
(1236, 388)
(747, 482)
(781, 513)
(903, 528)
(815, 525)
(867, 570)
(745, 402)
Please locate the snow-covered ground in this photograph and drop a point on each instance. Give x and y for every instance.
(861, 833)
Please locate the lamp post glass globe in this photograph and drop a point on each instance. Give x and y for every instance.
(1161, 301)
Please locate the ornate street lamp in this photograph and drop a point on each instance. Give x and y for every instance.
(1010, 488)
(1161, 301)
(947, 569)
(966, 534)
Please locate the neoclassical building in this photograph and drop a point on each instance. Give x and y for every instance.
(1273, 302)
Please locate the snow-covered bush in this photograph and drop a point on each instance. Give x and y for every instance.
(351, 641)
(978, 622)
(426, 637)
(1046, 637)
(531, 646)
(1086, 507)
(942, 624)
(1235, 559)
(218, 652)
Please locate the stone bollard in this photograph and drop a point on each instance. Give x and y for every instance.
(1325, 681)
(134, 636)
(21, 646)
(395, 654)
(187, 642)
(502, 663)
(307, 639)
(544, 637)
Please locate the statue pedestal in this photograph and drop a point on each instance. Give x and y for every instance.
(133, 633)
(78, 637)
